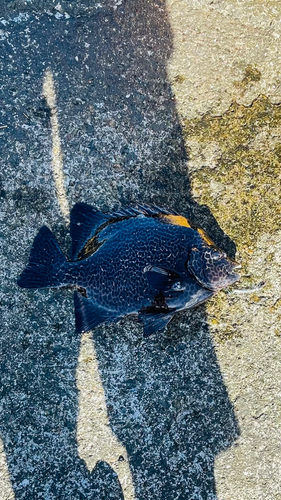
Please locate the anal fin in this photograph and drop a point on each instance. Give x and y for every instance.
(154, 322)
(88, 314)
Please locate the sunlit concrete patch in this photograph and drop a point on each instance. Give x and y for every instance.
(224, 51)
(57, 158)
(251, 365)
(6, 491)
(95, 439)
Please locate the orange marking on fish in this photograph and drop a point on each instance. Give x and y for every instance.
(179, 220)
(205, 237)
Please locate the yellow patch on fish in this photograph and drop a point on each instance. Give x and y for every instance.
(178, 220)
(205, 237)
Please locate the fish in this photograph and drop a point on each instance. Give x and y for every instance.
(143, 261)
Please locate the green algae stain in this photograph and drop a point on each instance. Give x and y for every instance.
(242, 185)
(179, 79)
(251, 76)
(247, 170)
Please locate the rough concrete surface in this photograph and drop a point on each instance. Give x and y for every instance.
(174, 103)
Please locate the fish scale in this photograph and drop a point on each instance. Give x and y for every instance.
(145, 261)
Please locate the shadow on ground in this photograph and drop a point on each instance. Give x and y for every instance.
(123, 143)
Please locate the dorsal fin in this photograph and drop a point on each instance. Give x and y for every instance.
(84, 222)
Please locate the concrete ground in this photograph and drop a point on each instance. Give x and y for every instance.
(175, 103)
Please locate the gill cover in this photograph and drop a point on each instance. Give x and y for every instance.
(211, 268)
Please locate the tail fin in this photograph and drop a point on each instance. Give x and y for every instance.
(47, 264)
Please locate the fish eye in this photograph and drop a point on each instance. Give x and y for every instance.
(216, 255)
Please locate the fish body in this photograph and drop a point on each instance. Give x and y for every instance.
(145, 261)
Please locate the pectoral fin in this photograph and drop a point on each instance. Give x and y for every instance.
(163, 279)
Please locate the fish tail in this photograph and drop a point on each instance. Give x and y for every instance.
(47, 264)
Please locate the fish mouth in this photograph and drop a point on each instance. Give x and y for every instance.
(236, 265)
(232, 276)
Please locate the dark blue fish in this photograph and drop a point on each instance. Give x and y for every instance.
(144, 261)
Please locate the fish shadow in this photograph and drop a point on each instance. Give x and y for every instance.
(166, 399)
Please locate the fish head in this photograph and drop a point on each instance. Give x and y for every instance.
(212, 268)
